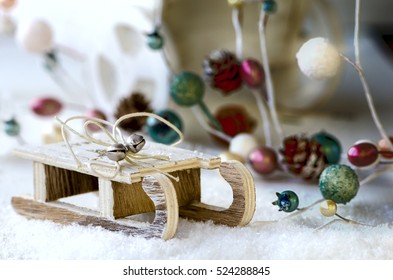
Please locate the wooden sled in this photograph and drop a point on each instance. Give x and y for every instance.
(135, 190)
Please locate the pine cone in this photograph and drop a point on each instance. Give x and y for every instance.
(303, 157)
(135, 102)
(222, 71)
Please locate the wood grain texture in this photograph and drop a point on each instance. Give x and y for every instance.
(132, 199)
(243, 206)
(105, 196)
(39, 181)
(61, 183)
(158, 188)
(135, 190)
(59, 156)
(188, 189)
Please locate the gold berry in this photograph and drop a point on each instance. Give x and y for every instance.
(235, 3)
(328, 208)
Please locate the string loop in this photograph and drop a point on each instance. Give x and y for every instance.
(116, 137)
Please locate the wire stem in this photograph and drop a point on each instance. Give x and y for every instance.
(358, 66)
(297, 213)
(264, 117)
(374, 175)
(237, 26)
(215, 132)
(370, 101)
(269, 81)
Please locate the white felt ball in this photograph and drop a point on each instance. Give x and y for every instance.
(35, 36)
(318, 59)
(242, 144)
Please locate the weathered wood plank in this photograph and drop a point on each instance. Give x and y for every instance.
(39, 181)
(243, 206)
(132, 199)
(159, 189)
(59, 156)
(105, 195)
(61, 183)
(61, 215)
(188, 189)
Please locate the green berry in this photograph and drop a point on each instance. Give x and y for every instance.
(339, 183)
(269, 6)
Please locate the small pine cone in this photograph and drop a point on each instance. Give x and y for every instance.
(222, 71)
(135, 102)
(303, 157)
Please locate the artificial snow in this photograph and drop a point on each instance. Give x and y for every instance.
(295, 238)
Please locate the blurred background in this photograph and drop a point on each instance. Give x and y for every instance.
(376, 21)
(102, 57)
(108, 38)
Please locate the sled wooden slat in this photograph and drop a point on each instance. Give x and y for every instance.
(137, 189)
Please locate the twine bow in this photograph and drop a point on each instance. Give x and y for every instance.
(116, 137)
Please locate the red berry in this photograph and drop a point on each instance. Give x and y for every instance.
(46, 106)
(363, 154)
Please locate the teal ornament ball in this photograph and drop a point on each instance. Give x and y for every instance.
(11, 127)
(162, 133)
(339, 183)
(155, 41)
(288, 201)
(187, 89)
(331, 147)
(269, 6)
